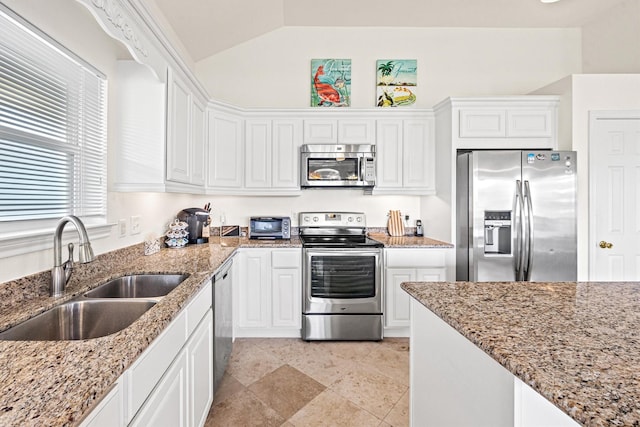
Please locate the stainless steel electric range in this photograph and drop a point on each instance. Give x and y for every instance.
(341, 278)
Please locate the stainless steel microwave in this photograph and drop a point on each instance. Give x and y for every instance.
(270, 227)
(333, 165)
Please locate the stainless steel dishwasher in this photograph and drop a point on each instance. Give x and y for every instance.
(222, 321)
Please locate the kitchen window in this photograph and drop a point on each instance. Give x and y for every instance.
(52, 133)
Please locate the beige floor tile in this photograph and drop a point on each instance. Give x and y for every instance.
(399, 415)
(369, 389)
(250, 363)
(245, 409)
(320, 364)
(389, 362)
(286, 390)
(331, 409)
(398, 344)
(227, 388)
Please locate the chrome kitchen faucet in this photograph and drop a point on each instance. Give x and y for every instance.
(60, 273)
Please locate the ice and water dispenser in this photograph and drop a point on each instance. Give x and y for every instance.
(497, 232)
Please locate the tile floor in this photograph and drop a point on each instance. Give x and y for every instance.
(290, 382)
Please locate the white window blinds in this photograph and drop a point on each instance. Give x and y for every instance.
(52, 128)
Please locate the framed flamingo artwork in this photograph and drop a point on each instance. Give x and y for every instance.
(396, 80)
(330, 82)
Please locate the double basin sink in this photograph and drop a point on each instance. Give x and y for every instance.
(102, 311)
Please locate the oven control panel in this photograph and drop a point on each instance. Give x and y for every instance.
(332, 219)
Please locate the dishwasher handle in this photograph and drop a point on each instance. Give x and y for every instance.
(223, 272)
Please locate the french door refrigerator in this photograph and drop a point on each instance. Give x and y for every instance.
(516, 216)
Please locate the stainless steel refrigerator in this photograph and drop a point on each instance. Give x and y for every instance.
(516, 216)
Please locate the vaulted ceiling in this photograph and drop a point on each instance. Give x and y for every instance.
(206, 27)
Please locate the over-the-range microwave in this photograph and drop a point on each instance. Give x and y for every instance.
(334, 165)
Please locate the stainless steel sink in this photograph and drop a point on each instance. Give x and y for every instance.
(138, 286)
(79, 320)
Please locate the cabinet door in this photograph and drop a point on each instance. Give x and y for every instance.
(431, 274)
(200, 351)
(530, 123)
(167, 405)
(287, 135)
(418, 155)
(254, 298)
(109, 412)
(258, 154)
(320, 131)
(198, 139)
(178, 129)
(483, 123)
(286, 297)
(225, 157)
(397, 302)
(356, 131)
(389, 154)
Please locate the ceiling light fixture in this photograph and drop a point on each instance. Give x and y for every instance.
(549, 1)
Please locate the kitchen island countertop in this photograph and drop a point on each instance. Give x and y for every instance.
(577, 344)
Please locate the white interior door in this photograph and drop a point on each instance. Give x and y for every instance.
(614, 181)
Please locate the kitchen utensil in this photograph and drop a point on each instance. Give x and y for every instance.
(395, 227)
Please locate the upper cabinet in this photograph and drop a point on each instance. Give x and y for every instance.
(225, 151)
(339, 131)
(186, 130)
(405, 156)
(512, 122)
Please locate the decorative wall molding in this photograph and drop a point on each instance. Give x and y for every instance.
(113, 13)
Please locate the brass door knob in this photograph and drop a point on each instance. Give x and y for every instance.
(605, 245)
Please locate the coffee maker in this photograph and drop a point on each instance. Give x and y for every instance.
(197, 220)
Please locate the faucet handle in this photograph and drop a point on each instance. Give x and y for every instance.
(69, 262)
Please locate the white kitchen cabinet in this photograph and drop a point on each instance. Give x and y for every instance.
(410, 265)
(268, 295)
(185, 132)
(177, 365)
(272, 148)
(110, 410)
(339, 131)
(509, 122)
(200, 363)
(167, 405)
(286, 288)
(405, 159)
(285, 160)
(225, 151)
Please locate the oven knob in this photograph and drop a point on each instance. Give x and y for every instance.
(315, 219)
(305, 219)
(359, 219)
(350, 219)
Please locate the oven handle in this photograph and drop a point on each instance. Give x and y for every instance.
(315, 251)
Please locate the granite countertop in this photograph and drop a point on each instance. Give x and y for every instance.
(408, 241)
(577, 344)
(58, 382)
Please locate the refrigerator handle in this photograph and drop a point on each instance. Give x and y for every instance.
(519, 231)
(528, 243)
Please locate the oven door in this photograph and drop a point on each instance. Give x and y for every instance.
(342, 280)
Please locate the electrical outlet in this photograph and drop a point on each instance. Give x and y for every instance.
(122, 227)
(135, 224)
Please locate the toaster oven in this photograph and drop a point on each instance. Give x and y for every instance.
(272, 227)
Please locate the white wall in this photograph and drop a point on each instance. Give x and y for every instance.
(585, 93)
(274, 70)
(611, 43)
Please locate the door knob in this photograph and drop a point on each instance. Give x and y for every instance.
(605, 245)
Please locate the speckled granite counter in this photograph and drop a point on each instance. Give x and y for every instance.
(56, 383)
(577, 344)
(408, 241)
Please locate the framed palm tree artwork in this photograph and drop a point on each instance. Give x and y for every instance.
(396, 80)
(330, 82)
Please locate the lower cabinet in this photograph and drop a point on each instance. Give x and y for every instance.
(410, 265)
(268, 294)
(171, 383)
